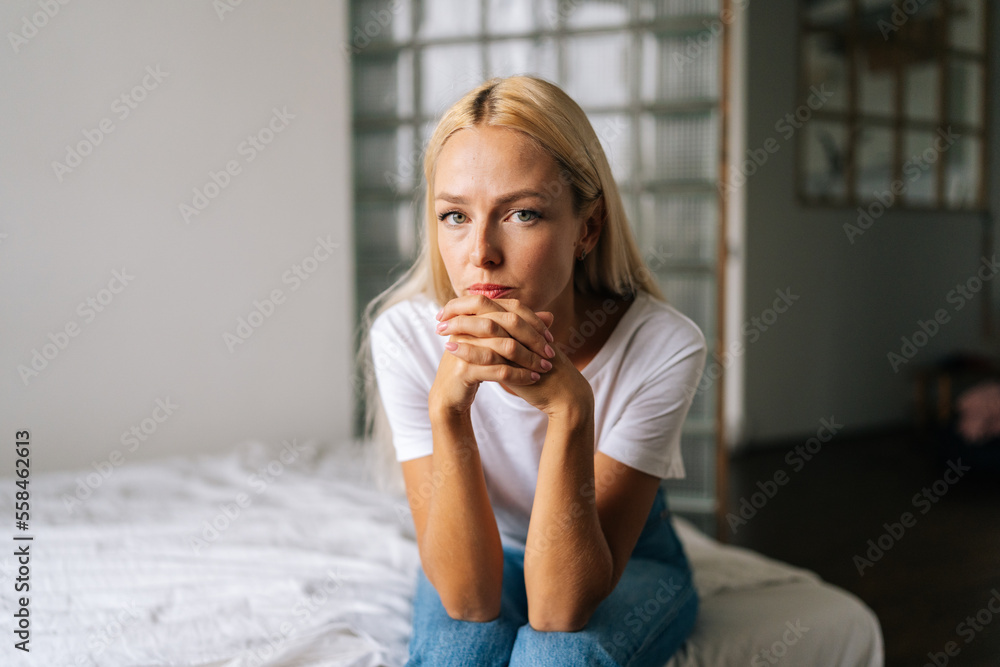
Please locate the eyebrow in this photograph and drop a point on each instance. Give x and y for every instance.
(506, 199)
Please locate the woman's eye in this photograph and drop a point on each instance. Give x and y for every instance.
(525, 216)
(453, 216)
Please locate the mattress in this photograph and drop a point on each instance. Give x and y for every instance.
(283, 554)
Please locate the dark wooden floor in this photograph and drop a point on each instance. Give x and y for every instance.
(943, 569)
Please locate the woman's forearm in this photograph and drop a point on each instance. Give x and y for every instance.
(461, 550)
(567, 563)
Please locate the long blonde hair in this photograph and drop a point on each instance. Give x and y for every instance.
(548, 115)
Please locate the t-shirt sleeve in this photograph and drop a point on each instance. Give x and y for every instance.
(647, 435)
(402, 389)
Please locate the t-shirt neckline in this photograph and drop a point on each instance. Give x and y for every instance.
(594, 365)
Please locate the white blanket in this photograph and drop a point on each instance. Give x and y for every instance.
(266, 556)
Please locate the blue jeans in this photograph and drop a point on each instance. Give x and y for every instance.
(642, 623)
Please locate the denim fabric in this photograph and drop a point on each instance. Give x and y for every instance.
(641, 623)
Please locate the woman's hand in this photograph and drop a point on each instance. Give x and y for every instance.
(498, 340)
(503, 341)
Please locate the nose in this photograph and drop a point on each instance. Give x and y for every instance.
(484, 248)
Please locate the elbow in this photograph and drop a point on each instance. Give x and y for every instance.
(562, 616)
(567, 605)
(561, 620)
(468, 608)
(476, 601)
(472, 614)
(467, 593)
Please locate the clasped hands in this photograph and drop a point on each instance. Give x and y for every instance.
(502, 340)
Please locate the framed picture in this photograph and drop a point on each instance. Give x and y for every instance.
(902, 114)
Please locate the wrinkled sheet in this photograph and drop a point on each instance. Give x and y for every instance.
(286, 555)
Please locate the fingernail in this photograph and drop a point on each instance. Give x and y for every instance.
(548, 336)
(451, 346)
(440, 313)
(546, 364)
(534, 375)
(548, 351)
(441, 327)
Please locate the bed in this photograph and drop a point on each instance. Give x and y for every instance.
(281, 554)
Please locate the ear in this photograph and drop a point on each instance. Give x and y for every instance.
(594, 218)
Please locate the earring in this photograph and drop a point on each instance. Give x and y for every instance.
(583, 253)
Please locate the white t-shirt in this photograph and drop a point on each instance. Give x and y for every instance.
(643, 379)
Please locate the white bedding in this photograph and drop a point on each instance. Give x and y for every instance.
(309, 566)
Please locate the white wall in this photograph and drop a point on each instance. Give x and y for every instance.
(827, 355)
(162, 335)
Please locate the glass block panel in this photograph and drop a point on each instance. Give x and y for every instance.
(594, 13)
(654, 9)
(378, 21)
(962, 172)
(449, 18)
(694, 295)
(824, 67)
(703, 403)
(385, 159)
(383, 86)
(698, 454)
(614, 132)
(601, 71)
(876, 87)
(680, 146)
(680, 228)
(874, 162)
(409, 162)
(597, 69)
(966, 25)
(919, 169)
(922, 83)
(679, 67)
(374, 276)
(824, 160)
(965, 92)
(523, 56)
(385, 230)
(370, 285)
(511, 16)
(426, 130)
(447, 73)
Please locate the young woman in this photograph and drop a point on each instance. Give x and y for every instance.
(535, 383)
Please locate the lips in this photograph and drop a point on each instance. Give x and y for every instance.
(490, 290)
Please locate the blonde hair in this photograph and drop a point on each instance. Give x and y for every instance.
(545, 113)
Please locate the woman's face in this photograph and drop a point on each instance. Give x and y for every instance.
(505, 217)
